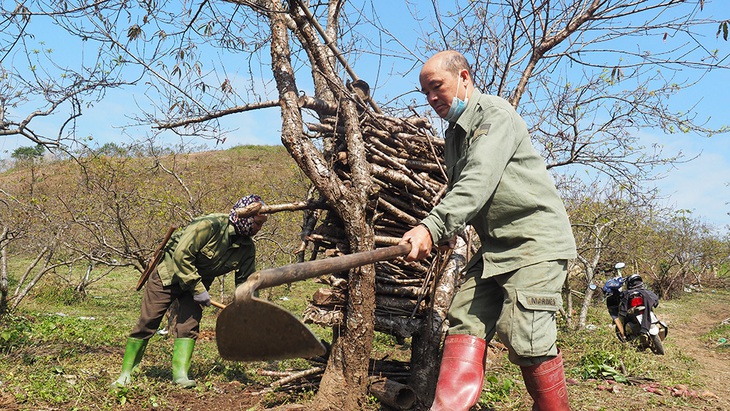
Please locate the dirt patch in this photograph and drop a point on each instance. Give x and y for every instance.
(689, 321)
(231, 396)
(687, 334)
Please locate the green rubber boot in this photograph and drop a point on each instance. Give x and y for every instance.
(132, 357)
(182, 351)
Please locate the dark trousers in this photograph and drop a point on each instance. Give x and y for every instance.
(157, 299)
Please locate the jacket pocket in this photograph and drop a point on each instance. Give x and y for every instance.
(533, 331)
(209, 250)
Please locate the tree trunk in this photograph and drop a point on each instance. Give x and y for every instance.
(568, 291)
(426, 352)
(584, 307)
(344, 383)
(23, 289)
(3, 272)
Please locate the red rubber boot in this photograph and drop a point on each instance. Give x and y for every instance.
(546, 384)
(462, 373)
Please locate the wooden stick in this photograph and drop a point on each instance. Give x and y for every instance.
(396, 212)
(156, 258)
(259, 208)
(298, 375)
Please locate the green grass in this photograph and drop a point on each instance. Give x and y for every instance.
(719, 337)
(602, 356)
(58, 350)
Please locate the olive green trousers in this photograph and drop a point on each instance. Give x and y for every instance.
(519, 307)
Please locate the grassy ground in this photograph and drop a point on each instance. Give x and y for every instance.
(61, 353)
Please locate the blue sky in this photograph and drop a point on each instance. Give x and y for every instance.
(700, 185)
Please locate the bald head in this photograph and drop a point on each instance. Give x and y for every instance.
(444, 76)
(451, 61)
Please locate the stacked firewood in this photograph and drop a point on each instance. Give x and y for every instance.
(409, 179)
(412, 298)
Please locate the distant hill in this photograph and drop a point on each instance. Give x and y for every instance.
(225, 174)
(75, 197)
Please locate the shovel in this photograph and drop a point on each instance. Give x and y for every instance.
(252, 329)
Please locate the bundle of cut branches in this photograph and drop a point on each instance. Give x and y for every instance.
(406, 165)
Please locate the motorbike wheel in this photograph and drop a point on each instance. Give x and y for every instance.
(656, 345)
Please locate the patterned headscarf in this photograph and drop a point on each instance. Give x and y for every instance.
(243, 226)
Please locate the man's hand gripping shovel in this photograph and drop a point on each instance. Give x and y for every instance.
(252, 329)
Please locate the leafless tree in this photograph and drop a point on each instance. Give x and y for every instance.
(602, 218)
(586, 74)
(40, 85)
(567, 66)
(589, 75)
(679, 250)
(28, 227)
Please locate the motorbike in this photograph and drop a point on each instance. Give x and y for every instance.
(633, 309)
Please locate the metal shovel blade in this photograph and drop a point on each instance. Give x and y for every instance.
(252, 329)
(257, 330)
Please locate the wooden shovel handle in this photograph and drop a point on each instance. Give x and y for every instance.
(156, 258)
(301, 271)
(217, 304)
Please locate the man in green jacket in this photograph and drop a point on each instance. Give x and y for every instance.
(208, 247)
(498, 184)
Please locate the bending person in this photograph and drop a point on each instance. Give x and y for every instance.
(208, 247)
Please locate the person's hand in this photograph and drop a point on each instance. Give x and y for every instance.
(202, 299)
(421, 243)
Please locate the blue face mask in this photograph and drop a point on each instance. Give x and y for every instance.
(457, 106)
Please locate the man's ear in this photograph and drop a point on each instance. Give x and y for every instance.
(464, 74)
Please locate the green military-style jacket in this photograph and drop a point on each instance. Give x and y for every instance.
(498, 183)
(207, 248)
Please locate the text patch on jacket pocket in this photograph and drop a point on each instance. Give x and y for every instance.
(543, 301)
